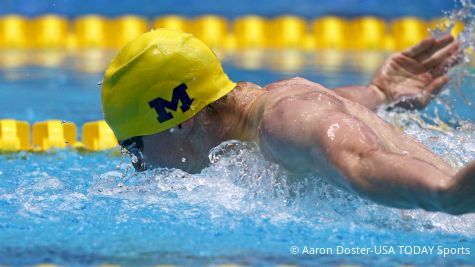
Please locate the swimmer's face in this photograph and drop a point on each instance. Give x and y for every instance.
(184, 147)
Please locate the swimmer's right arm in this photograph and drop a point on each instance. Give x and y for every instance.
(405, 182)
(351, 156)
(459, 197)
(393, 179)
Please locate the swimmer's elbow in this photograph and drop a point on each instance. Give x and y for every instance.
(356, 167)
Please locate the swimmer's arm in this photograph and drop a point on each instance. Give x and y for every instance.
(350, 155)
(405, 182)
(389, 178)
(369, 96)
(409, 79)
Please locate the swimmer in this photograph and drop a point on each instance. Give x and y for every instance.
(169, 102)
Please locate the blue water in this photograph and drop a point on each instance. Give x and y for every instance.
(79, 209)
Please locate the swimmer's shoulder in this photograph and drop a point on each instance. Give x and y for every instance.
(293, 83)
(247, 85)
(300, 94)
(297, 88)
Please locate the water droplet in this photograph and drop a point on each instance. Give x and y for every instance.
(470, 147)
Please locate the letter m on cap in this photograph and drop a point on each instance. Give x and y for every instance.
(179, 95)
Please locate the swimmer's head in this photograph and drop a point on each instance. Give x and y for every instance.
(187, 145)
(159, 81)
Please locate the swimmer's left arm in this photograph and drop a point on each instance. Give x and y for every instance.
(369, 96)
(411, 78)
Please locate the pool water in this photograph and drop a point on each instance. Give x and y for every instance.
(79, 209)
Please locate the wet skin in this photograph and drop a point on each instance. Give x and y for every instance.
(306, 127)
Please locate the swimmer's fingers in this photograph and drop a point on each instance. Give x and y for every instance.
(410, 65)
(435, 86)
(441, 55)
(420, 48)
(459, 196)
(421, 98)
(445, 66)
(438, 45)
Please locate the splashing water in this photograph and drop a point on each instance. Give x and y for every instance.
(464, 14)
(241, 200)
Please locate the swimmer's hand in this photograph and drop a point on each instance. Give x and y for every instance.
(413, 77)
(459, 195)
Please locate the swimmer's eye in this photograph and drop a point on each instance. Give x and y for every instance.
(134, 147)
(173, 129)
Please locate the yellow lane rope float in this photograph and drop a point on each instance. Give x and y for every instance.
(54, 134)
(284, 32)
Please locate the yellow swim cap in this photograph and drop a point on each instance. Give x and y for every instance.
(159, 80)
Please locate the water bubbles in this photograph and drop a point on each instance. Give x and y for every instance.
(217, 152)
(468, 146)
